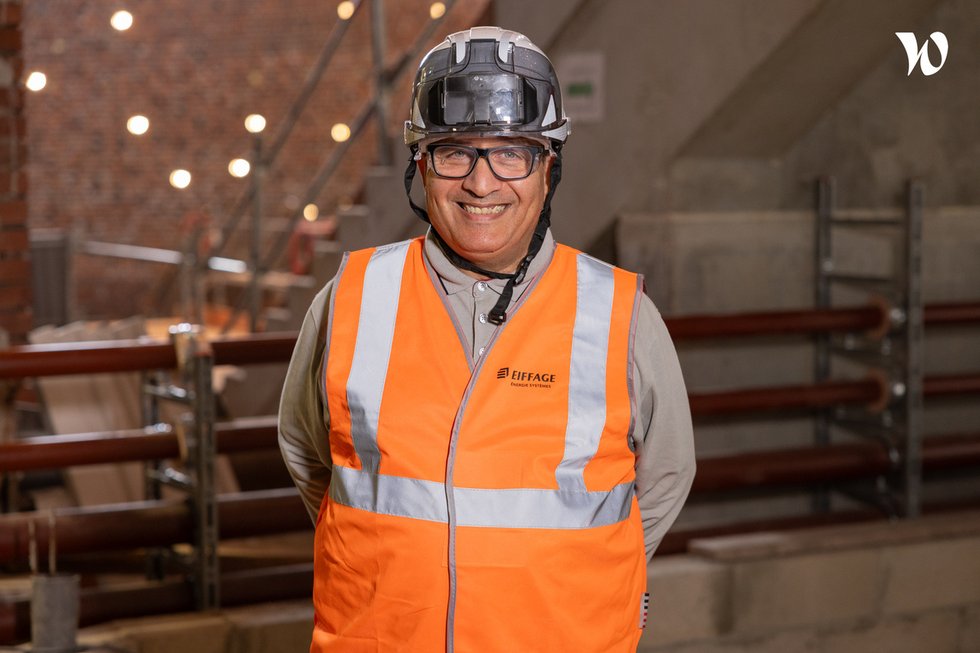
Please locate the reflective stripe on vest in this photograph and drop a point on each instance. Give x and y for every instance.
(571, 506)
(375, 330)
(587, 380)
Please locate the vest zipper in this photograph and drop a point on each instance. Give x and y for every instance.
(450, 461)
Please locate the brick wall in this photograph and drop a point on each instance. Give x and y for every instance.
(196, 68)
(15, 288)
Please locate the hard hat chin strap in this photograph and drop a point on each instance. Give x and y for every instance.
(498, 314)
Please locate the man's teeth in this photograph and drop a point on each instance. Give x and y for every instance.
(484, 210)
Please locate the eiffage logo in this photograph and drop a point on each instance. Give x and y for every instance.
(523, 379)
(919, 55)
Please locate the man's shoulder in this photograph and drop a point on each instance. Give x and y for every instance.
(387, 247)
(567, 251)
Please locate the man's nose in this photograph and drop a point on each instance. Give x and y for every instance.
(481, 181)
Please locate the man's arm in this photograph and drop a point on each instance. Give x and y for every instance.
(303, 416)
(663, 433)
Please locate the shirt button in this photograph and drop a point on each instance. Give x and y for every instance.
(482, 349)
(483, 318)
(481, 286)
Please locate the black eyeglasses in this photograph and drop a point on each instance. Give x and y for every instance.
(507, 162)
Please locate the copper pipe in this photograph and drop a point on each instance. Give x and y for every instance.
(696, 327)
(157, 523)
(944, 386)
(936, 314)
(135, 355)
(942, 452)
(152, 443)
(838, 462)
(790, 467)
(98, 605)
(819, 395)
(149, 523)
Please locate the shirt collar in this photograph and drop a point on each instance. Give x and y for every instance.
(455, 280)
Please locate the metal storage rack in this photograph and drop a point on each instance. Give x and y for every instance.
(895, 355)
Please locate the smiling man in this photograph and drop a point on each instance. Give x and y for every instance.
(490, 429)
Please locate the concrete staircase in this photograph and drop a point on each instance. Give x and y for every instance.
(383, 217)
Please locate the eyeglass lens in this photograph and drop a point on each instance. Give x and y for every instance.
(508, 162)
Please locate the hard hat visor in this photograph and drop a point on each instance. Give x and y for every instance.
(473, 100)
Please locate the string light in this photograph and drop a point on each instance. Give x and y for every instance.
(340, 132)
(121, 21)
(345, 10)
(36, 81)
(311, 212)
(239, 168)
(255, 123)
(138, 125)
(180, 178)
(437, 10)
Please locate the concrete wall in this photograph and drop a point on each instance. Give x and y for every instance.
(908, 587)
(739, 105)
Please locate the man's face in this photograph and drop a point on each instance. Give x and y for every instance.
(485, 219)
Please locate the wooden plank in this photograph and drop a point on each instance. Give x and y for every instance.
(73, 406)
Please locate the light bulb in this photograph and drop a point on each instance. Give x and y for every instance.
(239, 168)
(255, 123)
(180, 178)
(340, 132)
(345, 10)
(36, 81)
(138, 125)
(122, 20)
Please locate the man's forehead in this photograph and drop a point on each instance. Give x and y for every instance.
(489, 141)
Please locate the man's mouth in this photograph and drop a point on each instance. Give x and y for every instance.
(493, 209)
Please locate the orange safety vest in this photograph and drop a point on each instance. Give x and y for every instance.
(479, 507)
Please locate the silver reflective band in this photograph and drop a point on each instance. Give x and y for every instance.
(503, 508)
(372, 349)
(389, 495)
(587, 372)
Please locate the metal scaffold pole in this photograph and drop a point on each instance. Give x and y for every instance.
(912, 343)
(893, 352)
(195, 361)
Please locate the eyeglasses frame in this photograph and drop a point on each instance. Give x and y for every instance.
(484, 153)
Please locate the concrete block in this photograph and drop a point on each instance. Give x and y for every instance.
(931, 575)
(271, 628)
(934, 632)
(689, 600)
(969, 636)
(806, 590)
(799, 641)
(201, 633)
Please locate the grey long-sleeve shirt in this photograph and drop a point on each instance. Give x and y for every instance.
(662, 429)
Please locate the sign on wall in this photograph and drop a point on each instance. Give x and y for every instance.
(582, 76)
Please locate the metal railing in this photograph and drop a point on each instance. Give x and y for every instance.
(207, 519)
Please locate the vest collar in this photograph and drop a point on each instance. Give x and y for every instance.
(455, 280)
